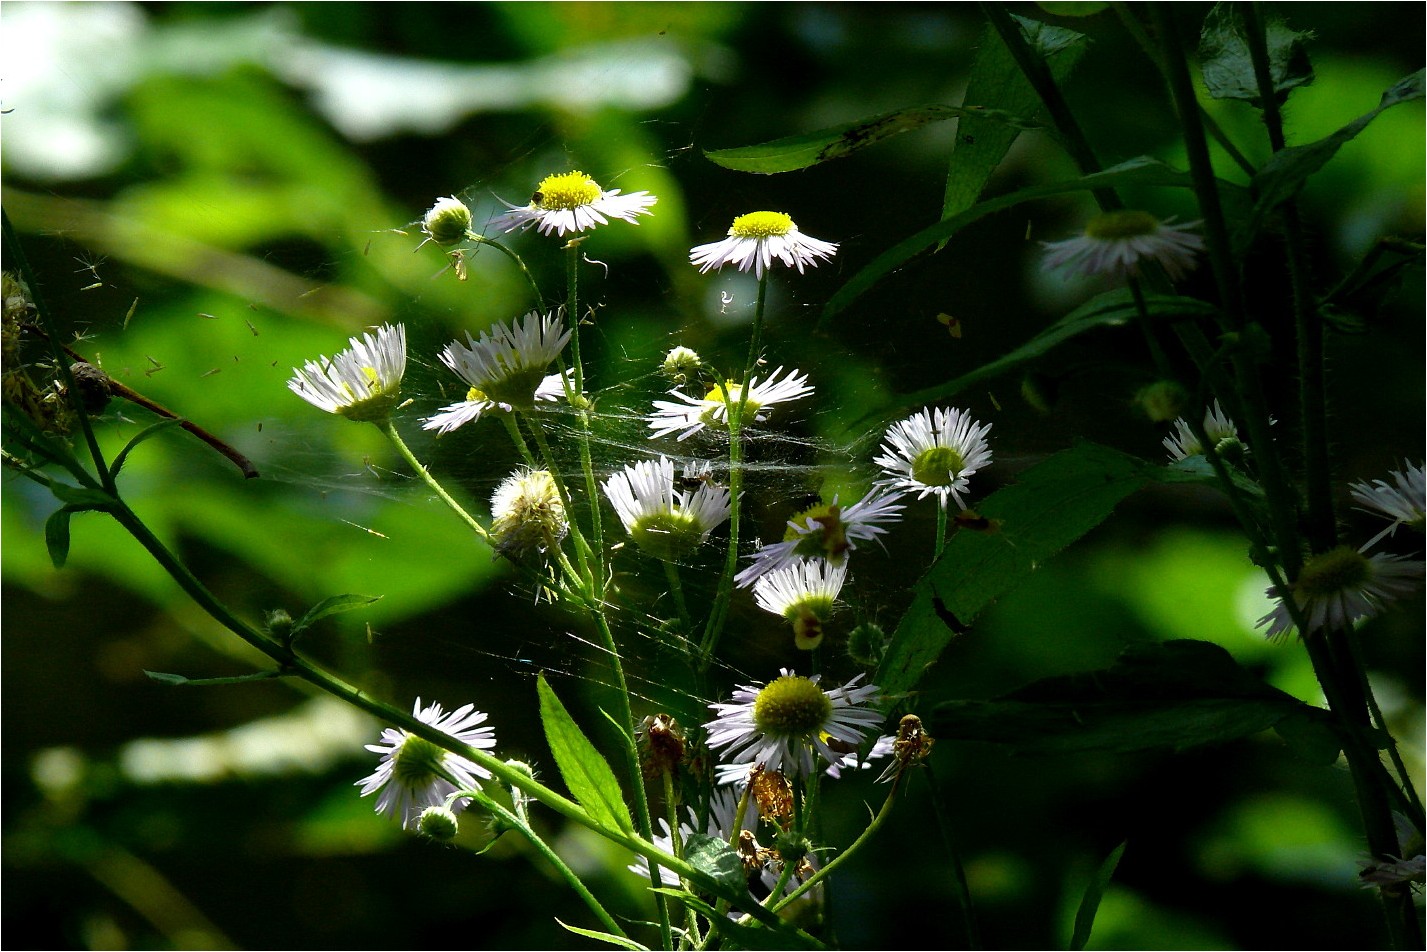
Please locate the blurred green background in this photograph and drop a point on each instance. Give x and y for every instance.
(248, 174)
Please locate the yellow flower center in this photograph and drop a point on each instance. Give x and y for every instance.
(829, 541)
(1332, 572)
(1126, 223)
(791, 706)
(566, 191)
(761, 225)
(375, 404)
(727, 395)
(475, 395)
(938, 466)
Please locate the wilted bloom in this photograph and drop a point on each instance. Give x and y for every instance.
(935, 451)
(361, 383)
(527, 514)
(666, 522)
(781, 724)
(804, 593)
(505, 369)
(1114, 243)
(448, 222)
(1401, 501)
(826, 531)
(573, 202)
(415, 774)
(1220, 430)
(755, 239)
(1338, 588)
(695, 413)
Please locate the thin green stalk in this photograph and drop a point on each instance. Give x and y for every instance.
(961, 889)
(388, 428)
(571, 878)
(842, 857)
(584, 555)
(676, 589)
(940, 527)
(1412, 803)
(519, 262)
(587, 466)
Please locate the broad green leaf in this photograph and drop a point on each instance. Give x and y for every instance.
(178, 679)
(1111, 309)
(57, 536)
(1174, 694)
(769, 936)
(715, 857)
(1141, 172)
(152, 429)
(1312, 735)
(1053, 504)
(589, 777)
(1283, 175)
(803, 151)
(332, 606)
(622, 942)
(1090, 903)
(997, 81)
(1228, 68)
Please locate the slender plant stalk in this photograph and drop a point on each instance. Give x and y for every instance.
(388, 428)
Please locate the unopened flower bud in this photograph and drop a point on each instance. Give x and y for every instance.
(866, 644)
(680, 364)
(279, 624)
(448, 222)
(1163, 400)
(438, 823)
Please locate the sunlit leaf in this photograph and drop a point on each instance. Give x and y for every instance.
(589, 777)
(623, 942)
(1174, 694)
(333, 606)
(152, 429)
(715, 857)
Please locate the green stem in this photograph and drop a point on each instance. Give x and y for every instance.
(961, 889)
(519, 262)
(676, 589)
(570, 877)
(857, 844)
(389, 430)
(940, 527)
(583, 554)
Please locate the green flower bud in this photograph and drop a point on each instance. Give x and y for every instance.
(448, 222)
(866, 644)
(438, 823)
(680, 364)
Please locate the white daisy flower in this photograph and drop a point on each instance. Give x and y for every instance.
(447, 223)
(695, 413)
(1341, 587)
(415, 774)
(804, 593)
(781, 724)
(1402, 501)
(666, 521)
(855, 760)
(935, 451)
(505, 369)
(477, 404)
(1114, 244)
(1217, 426)
(572, 202)
(826, 531)
(361, 383)
(755, 239)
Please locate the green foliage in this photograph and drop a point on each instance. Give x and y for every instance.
(1090, 903)
(1227, 65)
(586, 773)
(753, 937)
(1176, 695)
(57, 536)
(618, 941)
(715, 857)
(335, 605)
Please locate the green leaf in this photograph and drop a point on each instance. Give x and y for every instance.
(996, 80)
(589, 777)
(332, 606)
(714, 856)
(1311, 734)
(1090, 904)
(1283, 175)
(1141, 172)
(1174, 694)
(803, 151)
(178, 679)
(1111, 309)
(622, 942)
(152, 429)
(741, 936)
(82, 496)
(57, 536)
(1071, 8)
(1228, 68)
(1053, 504)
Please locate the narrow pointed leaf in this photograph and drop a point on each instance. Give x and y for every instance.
(82, 496)
(1090, 903)
(623, 942)
(152, 429)
(57, 536)
(589, 777)
(179, 680)
(332, 606)
(804, 151)
(1141, 172)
